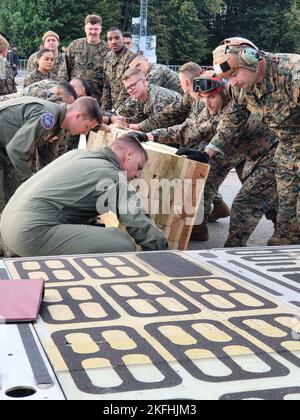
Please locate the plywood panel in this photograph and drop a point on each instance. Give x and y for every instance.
(189, 178)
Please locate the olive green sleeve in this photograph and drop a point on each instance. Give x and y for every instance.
(141, 226)
(46, 154)
(23, 144)
(120, 198)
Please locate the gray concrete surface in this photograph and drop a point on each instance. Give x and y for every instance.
(218, 231)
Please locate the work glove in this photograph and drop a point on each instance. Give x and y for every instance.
(140, 136)
(193, 155)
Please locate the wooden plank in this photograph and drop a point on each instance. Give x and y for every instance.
(163, 165)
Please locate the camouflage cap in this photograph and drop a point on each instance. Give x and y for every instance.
(3, 43)
(50, 33)
(233, 53)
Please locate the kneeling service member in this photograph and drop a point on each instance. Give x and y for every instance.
(47, 214)
(28, 123)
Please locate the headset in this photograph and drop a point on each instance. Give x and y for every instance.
(233, 53)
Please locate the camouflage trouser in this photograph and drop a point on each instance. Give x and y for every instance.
(288, 218)
(257, 196)
(219, 169)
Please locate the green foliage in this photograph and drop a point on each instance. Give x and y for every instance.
(266, 23)
(187, 30)
(182, 36)
(25, 22)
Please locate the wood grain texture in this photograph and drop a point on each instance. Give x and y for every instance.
(188, 181)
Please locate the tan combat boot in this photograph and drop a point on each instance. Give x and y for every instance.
(276, 241)
(200, 232)
(220, 211)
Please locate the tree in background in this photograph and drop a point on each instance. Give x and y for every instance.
(186, 29)
(182, 36)
(266, 23)
(292, 36)
(25, 22)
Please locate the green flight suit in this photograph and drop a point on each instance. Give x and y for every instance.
(46, 215)
(25, 124)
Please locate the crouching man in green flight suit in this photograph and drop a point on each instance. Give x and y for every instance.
(28, 123)
(47, 214)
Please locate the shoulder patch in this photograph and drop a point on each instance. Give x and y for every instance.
(48, 121)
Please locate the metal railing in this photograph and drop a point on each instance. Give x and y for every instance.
(174, 68)
(23, 66)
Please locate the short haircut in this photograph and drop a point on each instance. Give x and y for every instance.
(89, 107)
(43, 51)
(85, 84)
(140, 56)
(127, 35)
(130, 141)
(191, 70)
(93, 20)
(114, 29)
(133, 72)
(68, 88)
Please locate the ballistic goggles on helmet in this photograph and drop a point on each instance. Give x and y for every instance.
(234, 53)
(207, 84)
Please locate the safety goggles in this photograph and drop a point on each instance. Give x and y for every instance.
(206, 85)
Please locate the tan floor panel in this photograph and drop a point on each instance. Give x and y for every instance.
(118, 327)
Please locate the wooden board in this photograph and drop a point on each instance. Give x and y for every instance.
(163, 164)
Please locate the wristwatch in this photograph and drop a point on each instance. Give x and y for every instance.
(155, 135)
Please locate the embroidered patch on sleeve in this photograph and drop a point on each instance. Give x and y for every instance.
(48, 121)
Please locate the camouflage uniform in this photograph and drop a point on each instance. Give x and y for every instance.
(40, 90)
(256, 145)
(186, 133)
(275, 102)
(163, 76)
(37, 76)
(115, 65)
(158, 99)
(132, 110)
(257, 197)
(175, 113)
(87, 61)
(60, 69)
(158, 75)
(7, 78)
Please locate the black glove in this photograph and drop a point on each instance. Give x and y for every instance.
(191, 154)
(139, 136)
